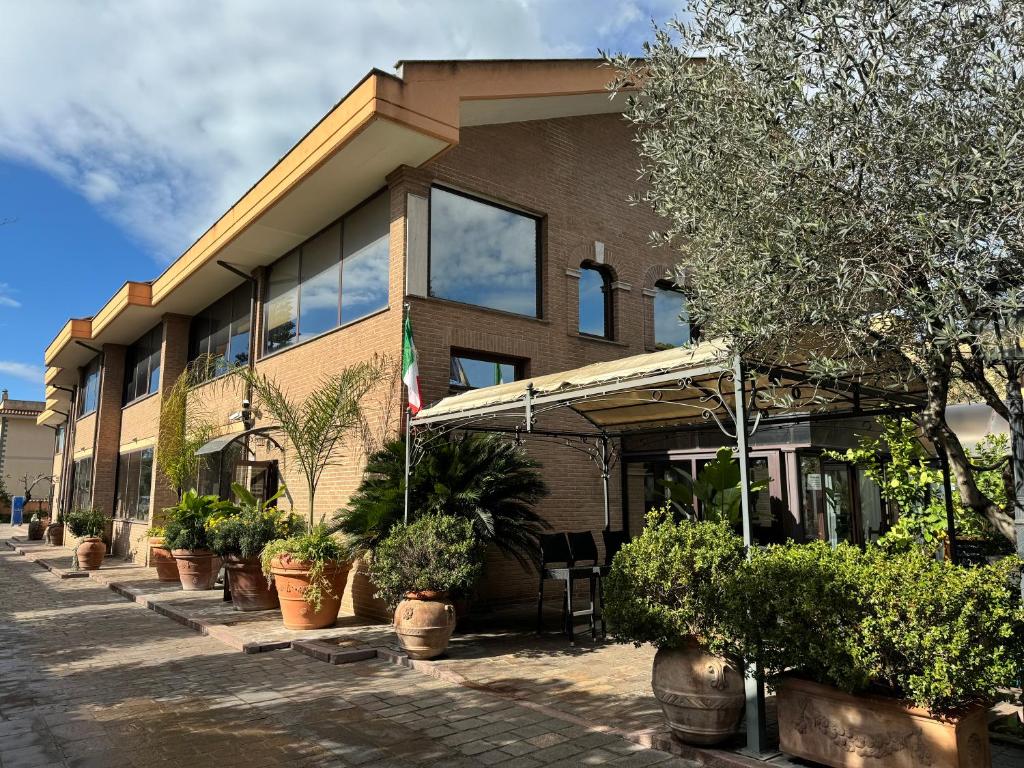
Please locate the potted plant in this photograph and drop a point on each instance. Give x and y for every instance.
(309, 570)
(160, 556)
(665, 588)
(186, 535)
(88, 525)
(418, 567)
(905, 656)
(37, 526)
(54, 534)
(240, 538)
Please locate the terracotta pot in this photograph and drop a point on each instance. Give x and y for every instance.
(424, 622)
(823, 724)
(196, 569)
(249, 588)
(91, 551)
(55, 534)
(291, 577)
(702, 695)
(162, 559)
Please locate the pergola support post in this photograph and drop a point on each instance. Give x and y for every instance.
(605, 478)
(755, 712)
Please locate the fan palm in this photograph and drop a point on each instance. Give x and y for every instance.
(486, 479)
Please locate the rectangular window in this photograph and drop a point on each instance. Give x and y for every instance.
(59, 435)
(672, 327)
(219, 335)
(484, 254)
(134, 484)
(336, 277)
(142, 366)
(89, 393)
(81, 484)
(471, 371)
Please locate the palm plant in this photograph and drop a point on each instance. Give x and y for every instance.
(316, 425)
(486, 479)
(185, 427)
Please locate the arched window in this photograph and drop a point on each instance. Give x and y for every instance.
(672, 327)
(595, 301)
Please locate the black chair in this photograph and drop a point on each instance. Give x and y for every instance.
(564, 551)
(613, 541)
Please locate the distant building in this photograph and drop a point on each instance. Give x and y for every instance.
(26, 448)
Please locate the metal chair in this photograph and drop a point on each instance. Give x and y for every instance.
(557, 549)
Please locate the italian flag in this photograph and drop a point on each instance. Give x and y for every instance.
(410, 368)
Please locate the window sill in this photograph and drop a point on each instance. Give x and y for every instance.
(598, 339)
(296, 345)
(138, 400)
(487, 310)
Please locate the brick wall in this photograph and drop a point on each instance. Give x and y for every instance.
(108, 428)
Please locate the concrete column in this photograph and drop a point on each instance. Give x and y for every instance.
(108, 428)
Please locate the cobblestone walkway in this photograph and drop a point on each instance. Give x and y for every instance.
(88, 679)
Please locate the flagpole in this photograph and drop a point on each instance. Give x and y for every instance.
(408, 432)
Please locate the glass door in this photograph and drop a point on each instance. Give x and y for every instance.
(838, 502)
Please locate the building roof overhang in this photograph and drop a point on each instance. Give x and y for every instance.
(384, 122)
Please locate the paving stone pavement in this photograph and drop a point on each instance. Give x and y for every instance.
(89, 679)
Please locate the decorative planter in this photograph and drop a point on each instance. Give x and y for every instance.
(162, 559)
(424, 622)
(249, 588)
(55, 534)
(702, 695)
(820, 723)
(90, 551)
(36, 529)
(196, 568)
(291, 577)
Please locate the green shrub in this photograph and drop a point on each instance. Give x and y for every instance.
(319, 548)
(668, 583)
(434, 553)
(86, 522)
(185, 526)
(246, 530)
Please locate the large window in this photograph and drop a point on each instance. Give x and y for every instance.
(89, 394)
(59, 435)
(134, 484)
(470, 371)
(672, 326)
(219, 335)
(484, 254)
(142, 366)
(81, 484)
(336, 277)
(595, 301)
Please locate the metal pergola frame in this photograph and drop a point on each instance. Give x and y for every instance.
(729, 393)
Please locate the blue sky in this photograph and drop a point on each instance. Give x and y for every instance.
(130, 127)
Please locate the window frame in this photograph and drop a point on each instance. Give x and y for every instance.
(538, 219)
(668, 285)
(80, 484)
(518, 364)
(205, 315)
(297, 339)
(128, 462)
(154, 339)
(83, 388)
(606, 291)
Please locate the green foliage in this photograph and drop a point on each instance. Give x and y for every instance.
(484, 478)
(668, 583)
(185, 526)
(716, 487)
(316, 426)
(317, 547)
(438, 553)
(86, 522)
(900, 622)
(254, 523)
(184, 428)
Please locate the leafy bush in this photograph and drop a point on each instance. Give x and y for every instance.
(185, 523)
(486, 479)
(319, 548)
(668, 583)
(86, 522)
(246, 530)
(899, 623)
(437, 553)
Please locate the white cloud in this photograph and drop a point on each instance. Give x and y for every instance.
(24, 371)
(6, 300)
(162, 114)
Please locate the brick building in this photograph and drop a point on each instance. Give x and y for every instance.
(491, 196)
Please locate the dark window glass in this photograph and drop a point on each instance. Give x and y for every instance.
(281, 310)
(142, 366)
(319, 283)
(59, 437)
(219, 335)
(470, 372)
(145, 484)
(671, 318)
(364, 266)
(241, 323)
(89, 396)
(595, 302)
(483, 254)
(81, 484)
(134, 483)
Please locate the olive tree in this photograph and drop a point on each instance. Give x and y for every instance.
(844, 181)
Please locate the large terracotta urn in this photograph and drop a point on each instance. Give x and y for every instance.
(424, 622)
(36, 529)
(291, 577)
(702, 695)
(161, 558)
(55, 534)
(843, 730)
(197, 568)
(91, 550)
(250, 590)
